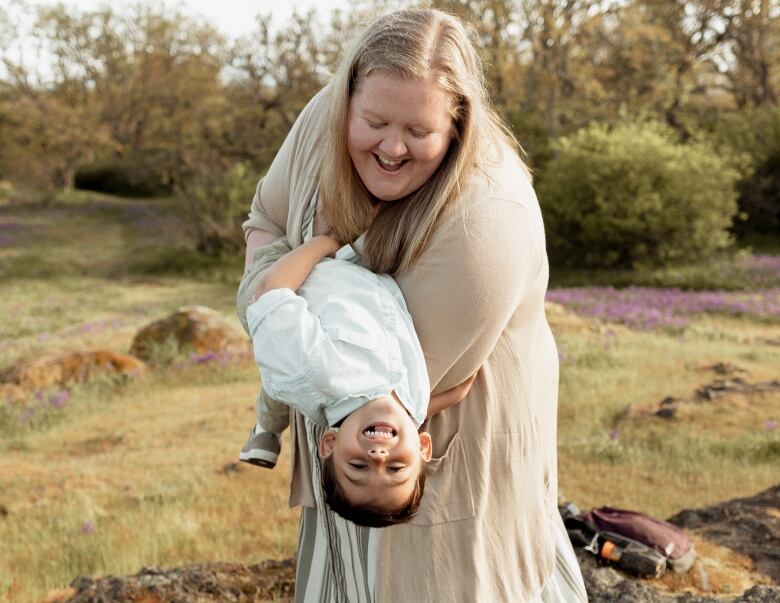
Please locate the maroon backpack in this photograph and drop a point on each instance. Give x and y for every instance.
(665, 538)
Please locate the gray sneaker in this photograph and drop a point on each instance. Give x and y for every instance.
(261, 449)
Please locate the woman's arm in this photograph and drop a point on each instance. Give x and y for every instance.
(450, 397)
(469, 282)
(256, 238)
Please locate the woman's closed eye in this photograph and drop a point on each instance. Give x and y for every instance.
(419, 133)
(376, 125)
(358, 465)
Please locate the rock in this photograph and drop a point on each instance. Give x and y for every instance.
(749, 525)
(736, 384)
(724, 368)
(231, 468)
(207, 582)
(196, 329)
(57, 369)
(666, 412)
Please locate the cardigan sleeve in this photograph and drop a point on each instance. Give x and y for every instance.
(485, 257)
(271, 203)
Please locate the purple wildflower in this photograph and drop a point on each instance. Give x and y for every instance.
(647, 308)
(613, 435)
(26, 414)
(770, 425)
(59, 399)
(203, 358)
(88, 527)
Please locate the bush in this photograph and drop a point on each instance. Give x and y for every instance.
(215, 204)
(633, 196)
(759, 199)
(128, 176)
(751, 139)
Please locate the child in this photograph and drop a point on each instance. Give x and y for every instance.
(342, 351)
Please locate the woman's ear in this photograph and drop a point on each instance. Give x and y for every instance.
(327, 443)
(426, 446)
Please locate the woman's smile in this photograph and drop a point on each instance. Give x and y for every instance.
(388, 166)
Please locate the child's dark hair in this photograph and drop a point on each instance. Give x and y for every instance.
(366, 515)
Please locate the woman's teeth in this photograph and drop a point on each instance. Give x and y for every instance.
(389, 165)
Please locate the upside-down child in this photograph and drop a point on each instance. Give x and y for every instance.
(335, 341)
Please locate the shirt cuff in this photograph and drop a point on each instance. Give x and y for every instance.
(266, 303)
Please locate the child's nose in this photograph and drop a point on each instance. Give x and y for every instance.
(377, 453)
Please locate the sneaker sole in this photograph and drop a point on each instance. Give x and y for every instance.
(261, 458)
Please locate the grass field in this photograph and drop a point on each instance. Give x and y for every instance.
(120, 475)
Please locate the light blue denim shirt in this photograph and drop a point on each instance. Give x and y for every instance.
(343, 339)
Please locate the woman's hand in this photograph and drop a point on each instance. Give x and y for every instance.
(450, 397)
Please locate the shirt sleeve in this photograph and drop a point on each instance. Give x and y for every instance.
(288, 341)
(470, 281)
(271, 202)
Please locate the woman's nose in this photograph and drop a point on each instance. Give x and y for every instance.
(393, 146)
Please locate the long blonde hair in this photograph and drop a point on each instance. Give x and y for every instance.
(413, 44)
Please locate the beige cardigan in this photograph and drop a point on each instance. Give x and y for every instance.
(484, 531)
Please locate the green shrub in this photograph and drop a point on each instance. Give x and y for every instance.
(215, 203)
(634, 196)
(751, 140)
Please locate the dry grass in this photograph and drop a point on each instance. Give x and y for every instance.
(144, 473)
(149, 479)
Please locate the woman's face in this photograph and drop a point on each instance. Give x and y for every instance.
(398, 133)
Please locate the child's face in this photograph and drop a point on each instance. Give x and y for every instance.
(377, 454)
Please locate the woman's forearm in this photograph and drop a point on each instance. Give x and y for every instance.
(256, 238)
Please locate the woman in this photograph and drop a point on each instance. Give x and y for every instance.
(403, 148)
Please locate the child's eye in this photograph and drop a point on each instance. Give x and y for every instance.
(394, 469)
(358, 465)
(376, 125)
(419, 133)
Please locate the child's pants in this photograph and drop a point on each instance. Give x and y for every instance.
(272, 415)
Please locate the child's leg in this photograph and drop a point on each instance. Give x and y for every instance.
(264, 443)
(263, 446)
(272, 416)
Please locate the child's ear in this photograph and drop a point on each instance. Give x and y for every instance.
(327, 443)
(426, 446)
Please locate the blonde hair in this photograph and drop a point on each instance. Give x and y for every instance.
(413, 44)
